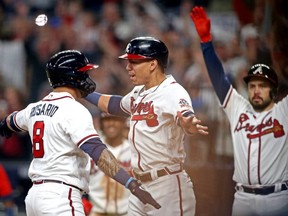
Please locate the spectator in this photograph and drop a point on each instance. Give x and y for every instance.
(109, 197)
(6, 194)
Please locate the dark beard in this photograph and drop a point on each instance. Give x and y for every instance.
(260, 107)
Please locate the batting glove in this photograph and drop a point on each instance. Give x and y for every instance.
(4, 130)
(143, 195)
(202, 23)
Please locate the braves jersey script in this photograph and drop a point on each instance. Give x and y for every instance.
(154, 111)
(260, 141)
(107, 195)
(58, 125)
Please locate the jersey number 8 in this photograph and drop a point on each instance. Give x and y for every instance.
(38, 145)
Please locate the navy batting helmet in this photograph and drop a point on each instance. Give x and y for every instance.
(262, 70)
(69, 68)
(147, 48)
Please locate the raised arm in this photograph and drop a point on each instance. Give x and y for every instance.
(215, 69)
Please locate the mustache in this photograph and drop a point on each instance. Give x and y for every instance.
(257, 97)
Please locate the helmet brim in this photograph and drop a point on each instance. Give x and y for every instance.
(248, 77)
(88, 67)
(133, 56)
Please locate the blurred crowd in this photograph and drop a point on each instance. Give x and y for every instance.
(251, 32)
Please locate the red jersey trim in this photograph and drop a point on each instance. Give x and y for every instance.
(86, 138)
(58, 98)
(228, 97)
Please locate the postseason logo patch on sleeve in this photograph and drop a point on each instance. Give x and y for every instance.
(184, 103)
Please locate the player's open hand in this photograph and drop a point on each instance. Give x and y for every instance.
(191, 125)
(142, 194)
(202, 23)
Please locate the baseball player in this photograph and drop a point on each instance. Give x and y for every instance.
(63, 137)
(160, 113)
(259, 130)
(107, 196)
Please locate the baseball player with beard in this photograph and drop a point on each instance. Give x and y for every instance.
(63, 137)
(106, 195)
(259, 128)
(160, 113)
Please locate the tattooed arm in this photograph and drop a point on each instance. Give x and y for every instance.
(109, 165)
(106, 161)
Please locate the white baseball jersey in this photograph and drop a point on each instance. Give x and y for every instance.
(107, 195)
(156, 139)
(58, 125)
(260, 141)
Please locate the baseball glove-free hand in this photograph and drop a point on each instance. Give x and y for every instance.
(143, 195)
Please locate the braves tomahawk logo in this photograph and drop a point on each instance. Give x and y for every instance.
(144, 111)
(266, 127)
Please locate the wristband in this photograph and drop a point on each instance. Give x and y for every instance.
(93, 98)
(128, 182)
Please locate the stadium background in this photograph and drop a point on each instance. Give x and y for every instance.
(244, 32)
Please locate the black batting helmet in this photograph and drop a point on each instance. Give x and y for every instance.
(69, 68)
(262, 70)
(147, 48)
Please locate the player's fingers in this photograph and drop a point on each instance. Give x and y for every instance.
(192, 16)
(202, 13)
(156, 205)
(195, 120)
(198, 12)
(152, 201)
(193, 13)
(202, 129)
(203, 132)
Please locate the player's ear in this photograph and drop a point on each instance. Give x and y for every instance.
(153, 64)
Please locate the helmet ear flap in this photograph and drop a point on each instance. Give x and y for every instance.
(273, 93)
(69, 68)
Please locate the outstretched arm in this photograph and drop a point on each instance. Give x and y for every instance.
(215, 69)
(107, 103)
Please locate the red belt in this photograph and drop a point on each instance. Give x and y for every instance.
(55, 181)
